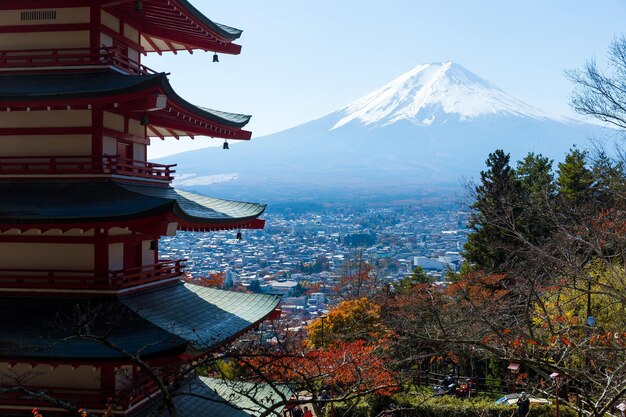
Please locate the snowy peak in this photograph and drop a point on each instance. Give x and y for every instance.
(432, 93)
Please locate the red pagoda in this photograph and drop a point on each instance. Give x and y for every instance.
(84, 295)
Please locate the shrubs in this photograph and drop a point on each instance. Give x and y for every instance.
(423, 406)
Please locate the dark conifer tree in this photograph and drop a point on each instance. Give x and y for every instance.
(538, 191)
(575, 179)
(494, 214)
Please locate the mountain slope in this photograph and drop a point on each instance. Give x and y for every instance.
(422, 131)
(432, 90)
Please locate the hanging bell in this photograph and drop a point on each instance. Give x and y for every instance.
(144, 120)
(225, 145)
(239, 236)
(138, 5)
(215, 57)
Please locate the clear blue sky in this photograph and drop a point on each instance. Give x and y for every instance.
(304, 59)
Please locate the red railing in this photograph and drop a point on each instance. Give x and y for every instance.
(72, 57)
(146, 274)
(89, 398)
(82, 397)
(142, 169)
(89, 279)
(85, 165)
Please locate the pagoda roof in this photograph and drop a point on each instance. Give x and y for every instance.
(202, 396)
(134, 95)
(205, 317)
(84, 202)
(174, 25)
(181, 317)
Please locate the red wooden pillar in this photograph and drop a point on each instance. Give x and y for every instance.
(107, 380)
(94, 28)
(97, 122)
(101, 254)
(132, 252)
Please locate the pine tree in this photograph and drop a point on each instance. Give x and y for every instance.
(538, 189)
(494, 214)
(574, 179)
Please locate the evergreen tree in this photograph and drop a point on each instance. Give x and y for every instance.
(574, 179)
(419, 276)
(538, 190)
(609, 181)
(494, 214)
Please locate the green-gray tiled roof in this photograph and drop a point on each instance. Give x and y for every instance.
(40, 87)
(109, 200)
(218, 398)
(225, 31)
(204, 316)
(177, 317)
(47, 328)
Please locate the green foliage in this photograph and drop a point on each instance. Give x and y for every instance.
(228, 369)
(494, 375)
(608, 180)
(418, 276)
(575, 180)
(379, 403)
(447, 406)
(538, 190)
(496, 197)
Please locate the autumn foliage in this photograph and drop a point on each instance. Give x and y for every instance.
(349, 321)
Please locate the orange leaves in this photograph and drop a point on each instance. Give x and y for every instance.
(351, 320)
(353, 366)
(212, 281)
(567, 342)
(609, 339)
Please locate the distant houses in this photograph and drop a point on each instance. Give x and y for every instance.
(447, 261)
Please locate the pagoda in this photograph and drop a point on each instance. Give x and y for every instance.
(88, 309)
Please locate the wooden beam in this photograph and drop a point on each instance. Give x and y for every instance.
(67, 27)
(11, 131)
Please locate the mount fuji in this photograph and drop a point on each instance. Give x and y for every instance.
(420, 133)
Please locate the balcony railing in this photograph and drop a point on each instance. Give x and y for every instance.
(142, 169)
(38, 58)
(83, 165)
(146, 274)
(91, 398)
(89, 279)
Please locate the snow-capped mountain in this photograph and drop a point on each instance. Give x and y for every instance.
(426, 129)
(432, 93)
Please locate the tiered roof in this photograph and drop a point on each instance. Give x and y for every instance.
(149, 95)
(79, 204)
(177, 318)
(175, 25)
(141, 309)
